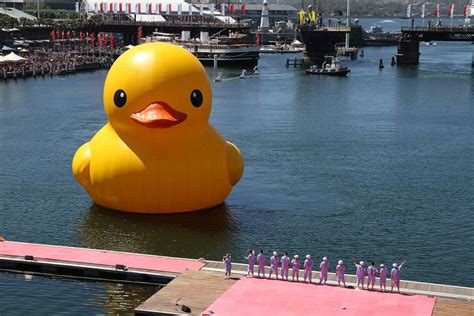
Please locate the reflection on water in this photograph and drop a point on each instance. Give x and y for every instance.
(191, 235)
(37, 295)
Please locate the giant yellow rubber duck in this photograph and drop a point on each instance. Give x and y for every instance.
(157, 153)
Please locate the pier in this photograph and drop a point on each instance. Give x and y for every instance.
(199, 284)
(408, 52)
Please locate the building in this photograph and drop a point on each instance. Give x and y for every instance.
(276, 12)
(52, 4)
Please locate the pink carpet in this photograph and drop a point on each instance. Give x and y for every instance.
(252, 296)
(102, 257)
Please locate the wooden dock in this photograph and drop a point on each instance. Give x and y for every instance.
(198, 290)
(194, 289)
(295, 62)
(194, 283)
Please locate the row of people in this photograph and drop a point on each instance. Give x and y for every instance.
(361, 270)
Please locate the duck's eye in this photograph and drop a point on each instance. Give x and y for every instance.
(120, 98)
(196, 98)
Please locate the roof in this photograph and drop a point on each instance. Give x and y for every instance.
(150, 18)
(271, 7)
(15, 13)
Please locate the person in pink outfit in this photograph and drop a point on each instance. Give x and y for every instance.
(324, 269)
(340, 270)
(251, 259)
(371, 274)
(295, 264)
(383, 277)
(285, 266)
(261, 263)
(308, 268)
(360, 273)
(228, 265)
(274, 265)
(395, 275)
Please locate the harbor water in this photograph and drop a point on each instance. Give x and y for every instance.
(377, 166)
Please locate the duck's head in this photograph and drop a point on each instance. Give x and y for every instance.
(157, 89)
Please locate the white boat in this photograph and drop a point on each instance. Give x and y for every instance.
(235, 50)
(331, 67)
(228, 51)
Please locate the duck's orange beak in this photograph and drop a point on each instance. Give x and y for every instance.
(158, 114)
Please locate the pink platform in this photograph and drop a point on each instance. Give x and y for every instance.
(252, 296)
(100, 257)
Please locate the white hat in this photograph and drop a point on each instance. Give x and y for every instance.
(382, 265)
(395, 265)
(296, 256)
(340, 262)
(325, 258)
(275, 253)
(308, 257)
(361, 263)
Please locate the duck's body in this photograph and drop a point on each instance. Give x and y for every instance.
(169, 169)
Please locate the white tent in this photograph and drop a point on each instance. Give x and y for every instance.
(5, 47)
(13, 58)
(153, 10)
(138, 7)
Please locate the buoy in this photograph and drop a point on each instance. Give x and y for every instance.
(393, 63)
(381, 63)
(2, 239)
(255, 70)
(361, 53)
(218, 77)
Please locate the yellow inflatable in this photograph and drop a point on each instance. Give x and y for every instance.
(158, 153)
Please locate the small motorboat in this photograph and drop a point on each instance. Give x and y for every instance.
(331, 67)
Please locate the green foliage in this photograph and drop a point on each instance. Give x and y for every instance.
(7, 21)
(32, 6)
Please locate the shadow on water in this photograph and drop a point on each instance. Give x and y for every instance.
(207, 233)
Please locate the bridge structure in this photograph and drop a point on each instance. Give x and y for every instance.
(129, 29)
(408, 52)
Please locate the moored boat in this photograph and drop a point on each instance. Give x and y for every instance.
(331, 67)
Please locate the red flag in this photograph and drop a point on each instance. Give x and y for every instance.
(465, 10)
(52, 36)
(242, 9)
(99, 41)
(57, 34)
(436, 11)
(231, 9)
(80, 36)
(451, 10)
(68, 35)
(101, 7)
(112, 41)
(62, 35)
(171, 8)
(120, 7)
(111, 7)
(106, 39)
(92, 37)
(159, 8)
(139, 32)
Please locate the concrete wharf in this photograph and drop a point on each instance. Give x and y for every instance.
(198, 283)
